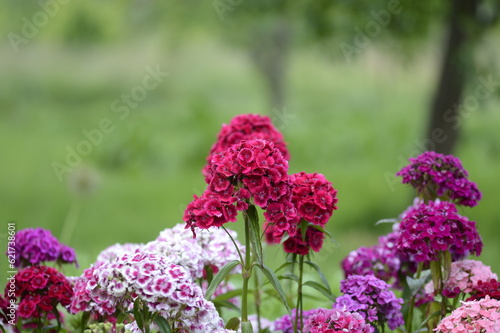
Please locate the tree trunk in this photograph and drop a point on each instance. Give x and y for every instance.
(445, 119)
(269, 52)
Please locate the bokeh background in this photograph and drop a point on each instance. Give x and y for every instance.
(354, 86)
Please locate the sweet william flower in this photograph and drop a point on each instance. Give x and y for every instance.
(336, 320)
(436, 227)
(436, 175)
(245, 127)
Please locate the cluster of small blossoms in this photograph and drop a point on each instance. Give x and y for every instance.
(314, 199)
(435, 175)
(335, 320)
(474, 316)
(40, 290)
(248, 170)
(285, 323)
(464, 277)
(164, 287)
(35, 246)
(217, 249)
(246, 127)
(489, 288)
(437, 227)
(115, 251)
(372, 298)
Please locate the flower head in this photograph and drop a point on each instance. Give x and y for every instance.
(250, 170)
(285, 323)
(336, 320)
(35, 246)
(436, 227)
(489, 288)
(474, 316)
(40, 289)
(436, 175)
(372, 298)
(465, 276)
(246, 127)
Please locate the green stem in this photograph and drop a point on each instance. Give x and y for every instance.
(246, 270)
(256, 295)
(409, 320)
(298, 309)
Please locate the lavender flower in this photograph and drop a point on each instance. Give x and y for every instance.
(372, 299)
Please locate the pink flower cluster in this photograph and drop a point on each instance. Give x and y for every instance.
(474, 316)
(35, 246)
(250, 169)
(335, 320)
(436, 227)
(40, 289)
(246, 127)
(164, 287)
(372, 298)
(436, 175)
(314, 198)
(285, 323)
(465, 276)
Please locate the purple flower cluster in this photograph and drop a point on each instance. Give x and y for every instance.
(164, 287)
(372, 298)
(436, 175)
(285, 323)
(335, 320)
(436, 227)
(246, 127)
(248, 170)
(35, 246)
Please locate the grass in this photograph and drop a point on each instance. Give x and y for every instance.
(355, 123)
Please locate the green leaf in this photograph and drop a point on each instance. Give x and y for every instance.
(227, 304)
(286, 264)
(253, 220)
(230, 294)
(276, 285)
(162, 324)
(289, 276)
(138, 313)
(233, 324)
(246, 327)
(321, 289)
(321, 275)
(121, 317)
(415, 284)
(221, 275)
(386, 221)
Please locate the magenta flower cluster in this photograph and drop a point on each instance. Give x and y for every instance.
(165, 288)
(436, 175)
(465, 276)
(246, 127)
(250, 169)
(35, 246)
(372, 298)
(436, 227)
(336, 320)
(285, 323)
(475, 316)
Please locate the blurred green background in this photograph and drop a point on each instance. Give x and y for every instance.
(355, 120)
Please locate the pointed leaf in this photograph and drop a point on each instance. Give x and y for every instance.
(253, 220)
(162, 324)
(221, 275)
(414, 284)
(321, 289)
(289, 276)
(276, 285)
(321, 275)
(233, 324)
(230, 294)
(227, 304)
(138, 313)
(386, 221)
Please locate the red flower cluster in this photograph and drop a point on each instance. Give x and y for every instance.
(436, 227)
(489, 288)
(248, 170)
(246, 127)
(41, 289)
(314, 198)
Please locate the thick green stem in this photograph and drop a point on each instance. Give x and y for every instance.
(409, 320)
(246, 269)
(256, 295)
